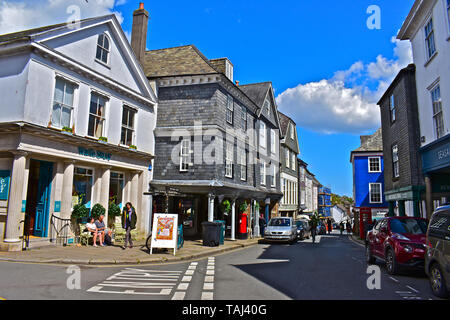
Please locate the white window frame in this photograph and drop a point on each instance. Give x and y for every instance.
(103, 49)
(274, 175)
(439, 131)
(267, 107)
(379, 164)
(103, 118)
(243, 164)
(429, 37)
(244, 119)
(262, 135)
(229, 160)
(185, 152)
(370, 192)
(272, 141)
(292, 130)
(392, 108)
(395, 162)
(293, 160)
(287, 157)
(230, 110)
(127, 127)
(262, 172)
(62, 105)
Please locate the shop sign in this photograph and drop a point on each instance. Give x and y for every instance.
(437, 157)
(5, 177)
(165, 232)
(94, 154)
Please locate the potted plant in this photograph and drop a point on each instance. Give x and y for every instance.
(98, 210)
(133, 147)
(243, 207)
(113, 212)
(79, 213)
(67, 130)
(225, 206)
(103, 139)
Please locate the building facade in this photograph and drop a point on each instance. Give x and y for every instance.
(427, 27)
(217, 143)
(324, 202)
(368, 177)
(289, 204)
(76, 125)
(404, 184)
(301, 165)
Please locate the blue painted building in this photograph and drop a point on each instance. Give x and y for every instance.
(368, 175)
(325, 201)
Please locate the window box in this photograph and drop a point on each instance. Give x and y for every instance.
(103, 139)
(67, 130)
(132, 147)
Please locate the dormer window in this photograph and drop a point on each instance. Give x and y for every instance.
(267, 107)
(102, 48)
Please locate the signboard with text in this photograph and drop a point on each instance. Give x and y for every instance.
(164, 231)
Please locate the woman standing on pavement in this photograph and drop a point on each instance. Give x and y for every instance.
(129, 219)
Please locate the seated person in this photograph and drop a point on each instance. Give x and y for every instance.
(92, 228)
(102, 230)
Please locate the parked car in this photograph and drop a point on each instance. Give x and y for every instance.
(399, 241)
(303, 230)
(437, 258)
(281, 229)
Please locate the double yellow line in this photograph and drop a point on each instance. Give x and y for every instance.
(2, 298)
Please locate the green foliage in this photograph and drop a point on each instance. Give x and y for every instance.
(225, 206)
(243, 207)
(67, 129)
(315, 219)
(104, 139)
(342, 200)
(133, 147)
(113, 210)
(80, 211)
(98, 210)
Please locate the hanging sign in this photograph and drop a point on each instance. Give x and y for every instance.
(165, 231)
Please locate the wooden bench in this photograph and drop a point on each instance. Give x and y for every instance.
(119, 233)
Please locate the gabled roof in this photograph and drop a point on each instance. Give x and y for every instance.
(372, 143)
(284, 122)
(177, 61)
(30, 33)
(256, 91)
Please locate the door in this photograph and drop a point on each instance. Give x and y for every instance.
(43, 199)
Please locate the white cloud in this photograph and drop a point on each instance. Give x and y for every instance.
(26, 14)
(346, 103)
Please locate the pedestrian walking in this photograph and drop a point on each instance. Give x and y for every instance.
(262, 224)
(330, 227)
(129, 219)
(349, 227)
(341, 227)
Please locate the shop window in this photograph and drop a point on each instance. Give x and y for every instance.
(82, 186)
(116, 186)
(96, 116)
(62, 103)
(127, 133)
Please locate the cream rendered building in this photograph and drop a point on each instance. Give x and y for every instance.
(65, 90)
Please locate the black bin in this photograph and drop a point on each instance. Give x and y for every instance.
(211, 233)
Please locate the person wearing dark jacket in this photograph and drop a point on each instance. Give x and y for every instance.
(262, 224)
(129, 219)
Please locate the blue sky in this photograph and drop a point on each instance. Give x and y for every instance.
(328, 69)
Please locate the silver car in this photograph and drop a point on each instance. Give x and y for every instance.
(281, 229)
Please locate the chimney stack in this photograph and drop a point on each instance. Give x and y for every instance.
(139, 32)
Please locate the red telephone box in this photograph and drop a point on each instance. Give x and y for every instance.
(242, 230)
(365, 218)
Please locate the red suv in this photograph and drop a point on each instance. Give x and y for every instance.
(399, 241)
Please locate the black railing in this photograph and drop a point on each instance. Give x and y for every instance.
(59, 230)
(26, 233)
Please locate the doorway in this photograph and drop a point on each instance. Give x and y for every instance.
(38, 198)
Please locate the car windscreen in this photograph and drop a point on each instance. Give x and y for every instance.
(280, 222)
(411, 226)
(299, 223)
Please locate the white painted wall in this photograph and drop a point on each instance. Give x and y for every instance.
(437, 69)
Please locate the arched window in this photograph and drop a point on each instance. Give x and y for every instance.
(102, 48)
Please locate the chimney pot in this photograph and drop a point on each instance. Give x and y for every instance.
(141, 5)
(237, 83)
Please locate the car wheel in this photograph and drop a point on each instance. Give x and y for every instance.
(370, 259)
(437, 282)
(391, 262)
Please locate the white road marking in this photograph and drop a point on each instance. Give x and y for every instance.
(179, 296)
(186, 279)
(183, 286)
(209, 278)
(208, 286)
(416, 291)
(394, 279)
(189, 272)
(207, 296)
(210, 272)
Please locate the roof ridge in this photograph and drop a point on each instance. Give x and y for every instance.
(256, 83)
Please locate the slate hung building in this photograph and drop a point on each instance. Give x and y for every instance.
(216, 141)
(404, 184)
(289, 205)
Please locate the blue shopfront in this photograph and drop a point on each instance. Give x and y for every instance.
(436, 169)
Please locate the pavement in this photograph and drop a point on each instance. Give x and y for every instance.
(114, 255)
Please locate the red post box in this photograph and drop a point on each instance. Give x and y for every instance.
(242, 231)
